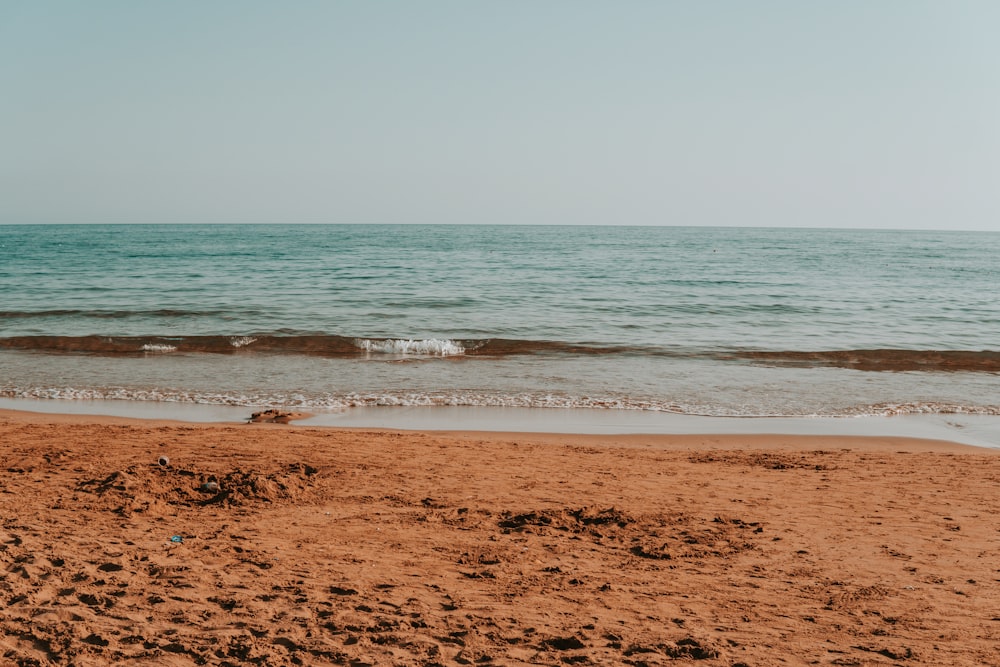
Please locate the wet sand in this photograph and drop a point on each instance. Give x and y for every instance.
(279, 544)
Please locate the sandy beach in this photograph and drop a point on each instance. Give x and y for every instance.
(278, 544)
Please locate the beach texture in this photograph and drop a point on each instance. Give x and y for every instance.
(272, 544)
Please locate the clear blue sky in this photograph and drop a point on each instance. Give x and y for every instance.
(855, 113)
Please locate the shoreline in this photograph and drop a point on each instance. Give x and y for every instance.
(290, 544)
(975, 430)
(723, 440)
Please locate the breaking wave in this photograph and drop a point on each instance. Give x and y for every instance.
(334, 346)
(158, 347)
(429, 347)
(324, 345)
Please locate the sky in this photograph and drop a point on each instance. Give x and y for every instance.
(856, 113)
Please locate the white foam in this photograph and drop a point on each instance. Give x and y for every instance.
(429, 346)
(157, 347)
(347, 401)
(242, 341)
(918, 408)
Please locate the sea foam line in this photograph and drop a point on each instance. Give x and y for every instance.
(338, 402)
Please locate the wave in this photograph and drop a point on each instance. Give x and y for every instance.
(346, 401)
(322, 345)
(985, 361)
(335, 346)
(326, 345)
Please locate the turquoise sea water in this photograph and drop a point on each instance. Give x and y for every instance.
(707, 321)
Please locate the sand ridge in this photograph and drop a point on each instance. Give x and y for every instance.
(328, 546)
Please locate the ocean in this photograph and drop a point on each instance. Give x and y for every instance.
(719, 322)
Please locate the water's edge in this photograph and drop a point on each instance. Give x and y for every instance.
(976, 430)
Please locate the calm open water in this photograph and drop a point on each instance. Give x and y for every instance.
(705, 321)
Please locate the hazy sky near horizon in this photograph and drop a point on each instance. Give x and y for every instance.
(769, 113)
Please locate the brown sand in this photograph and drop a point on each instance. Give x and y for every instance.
(325, 546)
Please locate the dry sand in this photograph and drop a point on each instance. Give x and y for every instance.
(326, 546)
